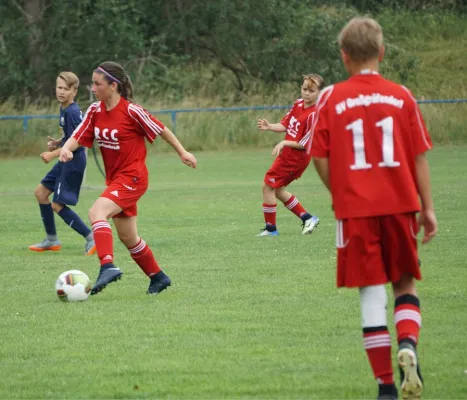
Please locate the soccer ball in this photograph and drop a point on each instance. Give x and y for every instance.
(73, 285)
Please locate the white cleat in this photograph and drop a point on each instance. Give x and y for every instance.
(310, 224)
(412, 384)
(265, 232)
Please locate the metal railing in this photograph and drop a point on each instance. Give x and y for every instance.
(173, 113)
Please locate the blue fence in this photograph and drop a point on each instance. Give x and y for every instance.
(173, 113)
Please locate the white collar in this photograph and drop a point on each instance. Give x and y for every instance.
(368, 72)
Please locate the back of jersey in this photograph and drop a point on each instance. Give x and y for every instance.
(371, 130)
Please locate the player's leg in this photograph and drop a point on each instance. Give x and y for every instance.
(407, 319)
(376, 339)
(73, 220)
(67, 194)
(401, 259)
(269, 211)
(360, 264)
(51, 241)
(141, 253)
(309, 222)
(100, 212)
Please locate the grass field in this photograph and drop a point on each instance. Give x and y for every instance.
(245, 317)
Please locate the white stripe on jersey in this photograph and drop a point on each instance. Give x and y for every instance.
(144, 118)
(86, 120)
(417, 111)
(309, 125)
(322, 99)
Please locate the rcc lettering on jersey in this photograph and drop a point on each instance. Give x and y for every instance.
(105, 131)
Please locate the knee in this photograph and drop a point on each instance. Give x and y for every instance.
(57, 207)
(266, 188)
(40, 194)
(128, 239)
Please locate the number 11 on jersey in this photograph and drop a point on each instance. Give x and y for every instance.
(387, 127)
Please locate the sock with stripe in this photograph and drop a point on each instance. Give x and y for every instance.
(143, 256)
(269, 211)
(102, 233)
(377, 344)
(407, 318)
(376, 339)
(294, 205)
(74, 221)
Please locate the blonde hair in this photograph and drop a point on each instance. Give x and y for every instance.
(70, 79)
(361, 39)
(314, 78)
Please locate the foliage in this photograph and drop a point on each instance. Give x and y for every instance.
(270, 41)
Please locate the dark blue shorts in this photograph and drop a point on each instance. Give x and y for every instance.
(65, 179)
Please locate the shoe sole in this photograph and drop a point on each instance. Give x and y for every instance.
(91, 251)
(311, 230)
(412, 385)
(42, 249)
(165, 287)
(96, 290)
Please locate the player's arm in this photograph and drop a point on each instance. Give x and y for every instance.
(264, 125)
(427, 217)
(286, 143)
(186, 157)
(48, 156)
(322, 167)
(66, 152)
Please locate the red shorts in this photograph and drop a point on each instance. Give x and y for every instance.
(376, 250)
(281, 175)
(125, 193)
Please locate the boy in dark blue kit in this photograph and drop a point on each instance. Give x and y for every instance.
(63, 180)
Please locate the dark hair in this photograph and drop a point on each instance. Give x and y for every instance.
(114, 72)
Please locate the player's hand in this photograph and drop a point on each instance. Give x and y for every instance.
(427, 220)
(263, 125)
(188, 159)
(278, 149)
(65, 155)
(52, 144)
(47, 156)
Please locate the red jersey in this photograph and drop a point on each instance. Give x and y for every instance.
(120, 135)
(298, 123)
(371, 130)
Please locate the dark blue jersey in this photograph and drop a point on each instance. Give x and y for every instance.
(70, 118)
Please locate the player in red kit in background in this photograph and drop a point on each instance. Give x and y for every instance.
(292, 159)
(120, 128)
(368, 145)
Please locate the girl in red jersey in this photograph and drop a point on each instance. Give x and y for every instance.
(120, 128)
(292, 159)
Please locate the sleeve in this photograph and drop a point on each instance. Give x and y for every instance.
(72, 120)
(420, 137)
(84, 132)
(285, 121)
(318, 145)
(150, 126)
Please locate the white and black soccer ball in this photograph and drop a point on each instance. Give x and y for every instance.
(73, 285)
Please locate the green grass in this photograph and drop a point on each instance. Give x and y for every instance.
(245, 317)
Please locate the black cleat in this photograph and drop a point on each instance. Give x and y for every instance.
(107, 274)
(387, 392)
(411, 378)
(159, 282)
